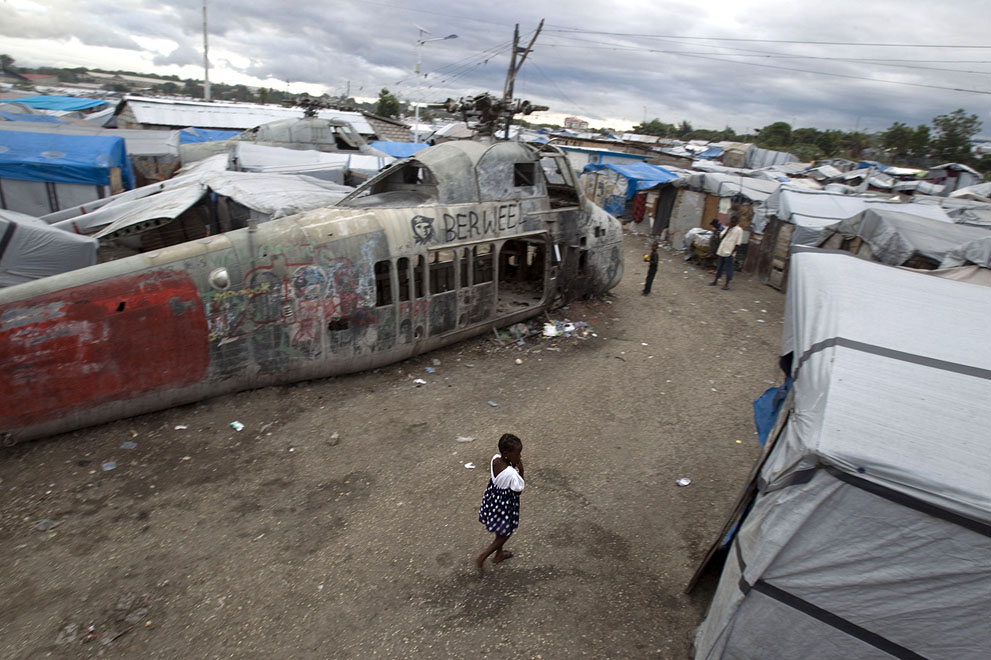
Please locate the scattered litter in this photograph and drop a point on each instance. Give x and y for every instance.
(186, 458)
(181, 427)
(684, 481)
(464, 438)
(470, 466)
(128, 445)
(265, 427)
(760, 320)
(550, 330)
(739, 442)
(419, 381)
(429, 370)
(108, 466)
(643, 343)
(134, 433)
(493, 404)
(237, 426)
(46, 524)
(435, 362)
(334, 438)
(763, 311)
(519, 361)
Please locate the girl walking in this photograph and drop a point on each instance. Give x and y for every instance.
(500, 510)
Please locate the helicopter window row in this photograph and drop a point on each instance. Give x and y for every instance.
(475, 265)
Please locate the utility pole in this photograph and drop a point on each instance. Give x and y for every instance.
(206, 59)
(514, 68)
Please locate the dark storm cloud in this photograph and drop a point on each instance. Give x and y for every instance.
(574, 68)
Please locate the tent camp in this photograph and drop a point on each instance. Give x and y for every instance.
(902, 239)
(43, 172)
(797, 216)
(31, 249)
(869, 533)
(613, 186)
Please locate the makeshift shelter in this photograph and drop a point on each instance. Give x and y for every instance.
(865, 531)
(954, 176)
(44, 172)
(615, 187)
(58, 103)
(796, 216)
(703, 197)
(31, 249)
(399, 149)
(902, 239)
(192, 135)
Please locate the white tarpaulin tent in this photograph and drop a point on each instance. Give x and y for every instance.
(31, 249)
(811, 211)
(893, 238)
(870, 533)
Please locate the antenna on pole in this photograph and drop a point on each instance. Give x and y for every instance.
(514, 68)
(206, 59)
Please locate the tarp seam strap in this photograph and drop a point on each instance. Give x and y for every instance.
(7, 235)
(911, 502)
(837, 622)
(943, 365)
(794, 479)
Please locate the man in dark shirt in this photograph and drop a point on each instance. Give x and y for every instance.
(651, 269)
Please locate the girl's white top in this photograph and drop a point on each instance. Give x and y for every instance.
(508, 478)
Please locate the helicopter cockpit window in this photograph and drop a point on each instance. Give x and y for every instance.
(524, 174)
(407, 184)
(345, 141)
(560, 187)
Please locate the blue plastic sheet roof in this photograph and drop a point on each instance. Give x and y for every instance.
(66, 103)
(399, 149)
(644, 176)
(711, 152)
(193, 135)
(20, 116)
(59, 158)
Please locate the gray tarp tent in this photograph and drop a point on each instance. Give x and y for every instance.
(870, 533)
(31, 249)
(893, 238)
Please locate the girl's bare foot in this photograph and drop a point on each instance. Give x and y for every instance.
(500, 556)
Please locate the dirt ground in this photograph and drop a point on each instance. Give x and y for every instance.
(341, 522)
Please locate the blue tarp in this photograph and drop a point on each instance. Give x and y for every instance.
(711, 152)
(195, 135)
(20, 116)
(399, 149)
(67, 103)
(767, 407)
(85, 159)
(641, 176)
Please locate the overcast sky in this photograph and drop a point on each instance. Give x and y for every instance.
(742, 64)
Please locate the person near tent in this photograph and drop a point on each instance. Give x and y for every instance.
(651, 268)
(729, 240)
(716, 228)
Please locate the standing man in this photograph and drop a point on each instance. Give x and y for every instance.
(651, 269)
(728, 242)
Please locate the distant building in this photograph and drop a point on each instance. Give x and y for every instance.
(574, 123)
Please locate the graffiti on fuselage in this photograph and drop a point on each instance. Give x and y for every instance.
(288, 309)
(480, 222)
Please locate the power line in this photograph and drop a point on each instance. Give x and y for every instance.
(566, 30)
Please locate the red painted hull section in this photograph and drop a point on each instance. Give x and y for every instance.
(76, 348)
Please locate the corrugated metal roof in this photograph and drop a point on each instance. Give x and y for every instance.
(137, 142)
(199, 114)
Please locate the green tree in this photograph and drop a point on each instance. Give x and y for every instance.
(654, 127)
(951, 141)
(683, 130)
(804, 136)
(830, 141)
(855, 142)
(897, 140)
(919, 143)
(775, 136)
(388, 104)
(805, 152)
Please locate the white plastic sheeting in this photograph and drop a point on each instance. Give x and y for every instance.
(31, 249)
(870, 536)
(811, 211)
(729, 185)
(333, 167)
(896, 237)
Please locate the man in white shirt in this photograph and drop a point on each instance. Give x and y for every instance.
(728, 242)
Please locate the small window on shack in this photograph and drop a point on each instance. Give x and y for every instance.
(383, 283)
(482, 263)
(442, 271)
(402, 270)
(524, 174)
(419, 278)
